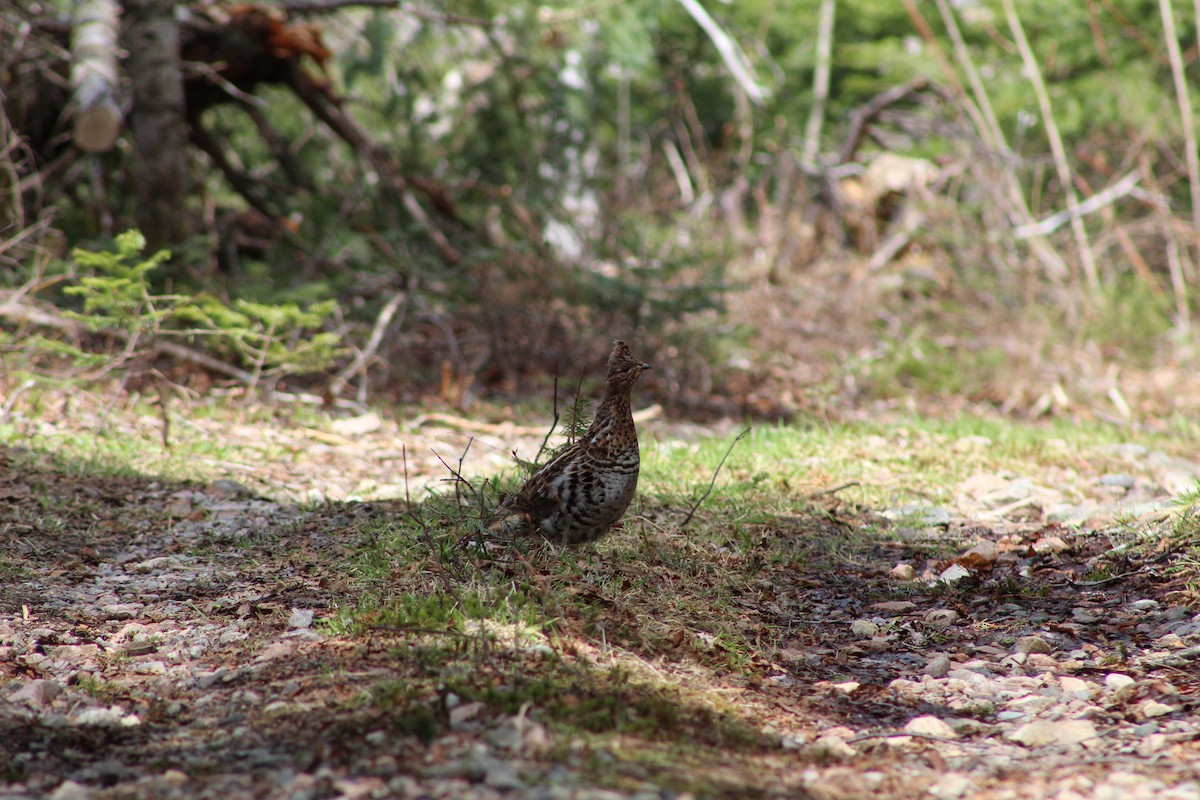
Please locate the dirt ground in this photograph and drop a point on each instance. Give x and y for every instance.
(160, 639)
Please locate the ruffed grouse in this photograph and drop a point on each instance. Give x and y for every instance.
(584, 491)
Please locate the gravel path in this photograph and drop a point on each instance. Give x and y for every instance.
(161, 640)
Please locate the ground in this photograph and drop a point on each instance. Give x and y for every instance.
(899, 610)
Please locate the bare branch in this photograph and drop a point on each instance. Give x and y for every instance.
(692, 512)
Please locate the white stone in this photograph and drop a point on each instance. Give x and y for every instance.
(1059, 732)
(1118, 680)
(930, 726)
(951, 786)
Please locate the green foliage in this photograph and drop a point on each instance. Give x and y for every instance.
(117, 293)
(273, 339)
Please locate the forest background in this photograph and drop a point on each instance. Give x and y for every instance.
(813, 209)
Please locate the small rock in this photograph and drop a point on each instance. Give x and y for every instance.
(1117, 680)
(1152, 708)
(1061, 732)
(141, 647)
(1076, 687)
(70, 790)
(981, 556)
(1050, 544)
(501, 775)
(1152, 744)
(864, 628)
(940, 617)
(828, 748)
(228, 489)
(36, 693)
(151, 564)
(951, 786)
(121, 610)
(894, 606)
(903, 572)
(930, 726)
(110, 717)
(300, 618)
(205, 680)
(175, 777)
(938, 667)
(462, 714)
(1120, 479)
(1032, 644)
(969, 443)
(954, 573)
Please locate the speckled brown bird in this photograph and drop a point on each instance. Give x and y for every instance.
(584, 491)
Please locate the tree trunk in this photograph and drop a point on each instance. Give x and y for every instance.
(94, 75)
(151, 36)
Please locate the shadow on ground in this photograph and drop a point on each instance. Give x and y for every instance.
(161, 639)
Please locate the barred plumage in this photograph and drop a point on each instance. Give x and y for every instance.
(584, 491)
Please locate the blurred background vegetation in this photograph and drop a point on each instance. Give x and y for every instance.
(793, 207)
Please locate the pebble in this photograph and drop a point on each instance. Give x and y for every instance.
(300, 618)
(1118, 680)
(1058, 732)
(1120, 479)
(1153, 708)
(39, 692)
(864, 628)
(70, 790)
(828, 749)
(954, 573)
(940, 617)
(951, 786)
(930, 726)
(938, 667)
(1032, 644)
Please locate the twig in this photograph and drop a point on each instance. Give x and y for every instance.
(733, 56)
(1185, 106)
(834, 490)
(1097, 201)
(575, 410)
(713, 482)
(871, 110)
(979, 108)
(816, 113)
(553, 424)
(1057, 150)
(404, 464)
(360, 360)
(462, 423)
(457, 473)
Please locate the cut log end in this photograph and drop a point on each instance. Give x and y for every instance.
(96, 129)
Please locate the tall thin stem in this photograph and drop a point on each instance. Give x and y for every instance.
(816, 114)
(1059, 152)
